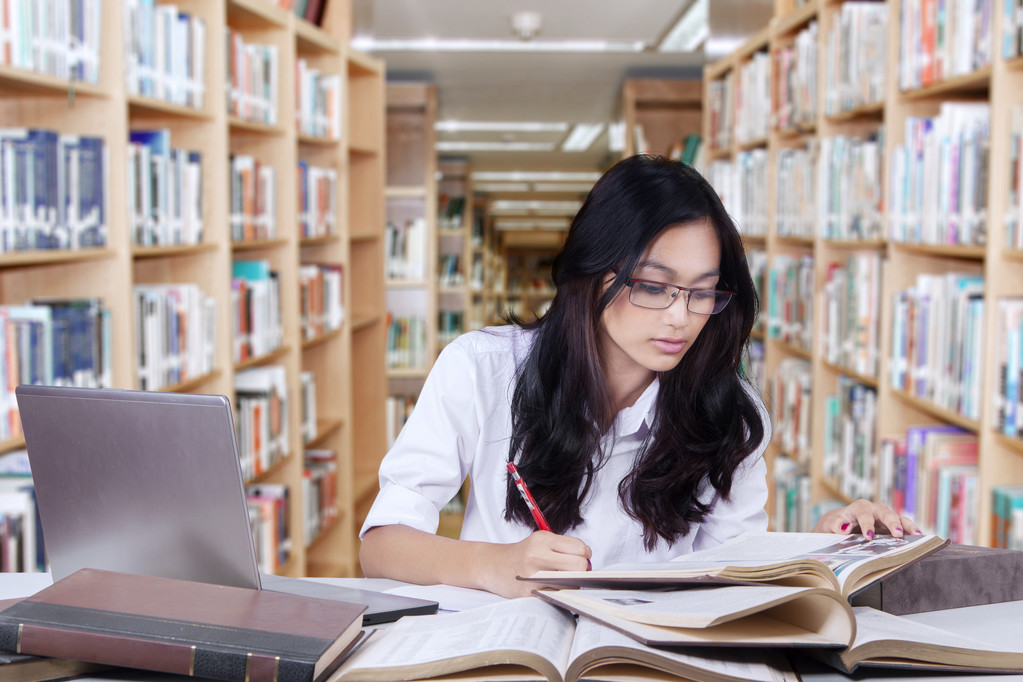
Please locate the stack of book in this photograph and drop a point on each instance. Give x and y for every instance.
(175, 334)
(165, 52)
(253, 199)
(796, 207)
(317, 201)
(60, 39)
(252, 93)
(319, 491)
(261, 406)
(256, 307)
(726, 614)
(164, 190)
(856, 64)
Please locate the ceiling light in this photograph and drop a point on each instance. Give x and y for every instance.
(501, 187)
(536, 176)
(452, 146)
(581, 137)
(367, 44)
(515, 205)
(690, 31)
(531, 224)
(526, 24)
(498, 126)
(562, 186)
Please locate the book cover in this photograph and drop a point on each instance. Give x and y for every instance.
(956, 576)
(183, 627)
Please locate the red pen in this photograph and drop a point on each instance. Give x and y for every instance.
(527, 497)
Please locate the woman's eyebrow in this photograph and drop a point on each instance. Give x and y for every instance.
(670, 272)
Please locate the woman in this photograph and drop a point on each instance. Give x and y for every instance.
(624, 407)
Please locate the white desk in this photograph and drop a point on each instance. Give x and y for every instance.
(996, 623)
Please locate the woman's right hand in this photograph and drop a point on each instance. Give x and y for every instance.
(500, 564)
(415, 556)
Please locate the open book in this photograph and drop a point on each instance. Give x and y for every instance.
(843, 563)
(530, 639)
(884, 640)
(726, 615)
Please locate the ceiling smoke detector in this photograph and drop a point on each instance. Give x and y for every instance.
(526, 24)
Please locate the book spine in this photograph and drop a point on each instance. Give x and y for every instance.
(178, 657)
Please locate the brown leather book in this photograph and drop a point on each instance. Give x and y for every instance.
(183, 627)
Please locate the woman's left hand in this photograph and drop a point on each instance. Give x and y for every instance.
(864, 516)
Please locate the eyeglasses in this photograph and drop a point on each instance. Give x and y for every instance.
(659, 295)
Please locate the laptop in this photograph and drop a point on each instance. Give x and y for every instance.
(150, 483)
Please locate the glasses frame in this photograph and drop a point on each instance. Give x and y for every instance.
(678, 289)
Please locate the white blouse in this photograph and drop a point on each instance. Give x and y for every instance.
(461, 426)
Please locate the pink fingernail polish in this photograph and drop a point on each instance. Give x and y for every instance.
(899, 529)
(845, 527)
(589, 566)
(869, 534)
(918, 532)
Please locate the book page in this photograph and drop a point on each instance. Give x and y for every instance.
(526, 625)
(690, 608)
(756, 665)
(841, 553)
(873, 626)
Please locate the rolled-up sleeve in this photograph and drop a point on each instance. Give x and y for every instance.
(431, 456)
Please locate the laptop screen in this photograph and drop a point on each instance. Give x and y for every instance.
(139, 482)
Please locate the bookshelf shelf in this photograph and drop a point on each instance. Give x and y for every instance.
(1014, 254)
(320, 340)
(795, 19)
(976, 253)
(331, 527)
(936, 411)
(750, 145)
(325, 428)
(790, 348)
(835, 490)
(311, 38)
(867, 111)
(192, 384)
(272, 471)
(144, 252)
(139, 106)
(56, 257)
(16, 443)
(805, 242)
(852, 374)
(241, 125)
(359, 148)
(407, 373)
(855, 243)
(361, 323)
(258, 244)
(326, 240)
(255, 14)
(1014, 64)
(267, 359)
(30, 82)
(1009, 443)
(976, 83)
(314, 141)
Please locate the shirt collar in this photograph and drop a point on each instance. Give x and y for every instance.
(632, 419)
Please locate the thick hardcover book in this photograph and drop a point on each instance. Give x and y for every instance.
(183, 627)
(958, 575)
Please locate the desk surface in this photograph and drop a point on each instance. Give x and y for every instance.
(1001, 624)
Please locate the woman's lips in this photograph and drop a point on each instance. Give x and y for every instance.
(672, 346)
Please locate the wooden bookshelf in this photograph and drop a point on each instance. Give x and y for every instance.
(999, 84)
(348, 363)
(663, 112)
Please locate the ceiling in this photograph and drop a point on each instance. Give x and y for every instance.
(536, 86)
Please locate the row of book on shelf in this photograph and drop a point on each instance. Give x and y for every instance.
(51, 190)
(937, 183)
(165, 53)
(59, 38)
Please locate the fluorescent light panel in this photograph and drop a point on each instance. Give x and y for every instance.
(369, 44)
(690, 31)
(501, 187)
(581, 137)
(452, 146)
(500, 126)
(616, 136)
(535, 176)
(531, 224)
(506, 205)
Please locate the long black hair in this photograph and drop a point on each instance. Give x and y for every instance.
(707, 421)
